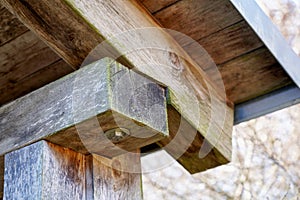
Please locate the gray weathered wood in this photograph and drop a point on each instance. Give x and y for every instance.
(47, 171)
(117, 96)
(44, 171)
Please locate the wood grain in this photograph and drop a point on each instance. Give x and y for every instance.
(122, 177)
(184, 142)
(118, 96)
(228, 43)
(44, 171)
(253, 74)
(22, 57)
(198, 19)
(157, 5)
(10, 26)
(72, 38)
(190, 90)
(13, 90)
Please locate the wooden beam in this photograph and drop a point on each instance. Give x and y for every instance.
(271, 36)
(185, 138)
(11, 27)
(46, 171)
(74, 28)
(65, 111)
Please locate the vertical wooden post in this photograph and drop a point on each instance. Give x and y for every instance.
(44, 171)
(47, 171)
(118, 178)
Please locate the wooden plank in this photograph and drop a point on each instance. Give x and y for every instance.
(10, 26)
(117, 178)
(157, 5)
(52, 72)
(117, 96)
(44, 171)
(23, 56)
(198, 19)
(252, 74)
(65, 37)
(192, 94)
(271, 36)
(228, 43)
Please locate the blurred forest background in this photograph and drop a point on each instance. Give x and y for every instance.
(266, 151)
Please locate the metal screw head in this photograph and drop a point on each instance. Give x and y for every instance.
(117, 134)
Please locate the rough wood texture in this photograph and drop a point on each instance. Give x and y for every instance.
(198, 19)
(191, 93)
(183, 135)
(229, 43)
(245, 76)
(122, 177)
(157, 5)
(10, 26)
(106, 89)
(52, 72)
(23, 57)
(44, 171)
(71, 38)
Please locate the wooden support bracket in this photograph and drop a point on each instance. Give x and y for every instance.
(74, 28)
(103, 108)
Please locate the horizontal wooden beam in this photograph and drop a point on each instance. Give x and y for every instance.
(271, 36)
(79, 111)
(74, 28)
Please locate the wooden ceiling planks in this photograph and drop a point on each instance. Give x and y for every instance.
(216, 25)
(26, 62)
(10, 26)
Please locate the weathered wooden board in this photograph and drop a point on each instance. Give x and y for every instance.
(10, 26)
(199, 18)
(22, 57)
(52, 72)
(229, 43)
(248, 79)
(191, 93)
(118, 96)
(122, 177)
(157, 5)
(44, 171)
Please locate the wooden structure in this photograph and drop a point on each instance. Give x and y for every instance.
(83, 132)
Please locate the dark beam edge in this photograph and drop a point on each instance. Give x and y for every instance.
(268, 103)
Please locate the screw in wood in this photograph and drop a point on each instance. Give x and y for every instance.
(117, 134)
